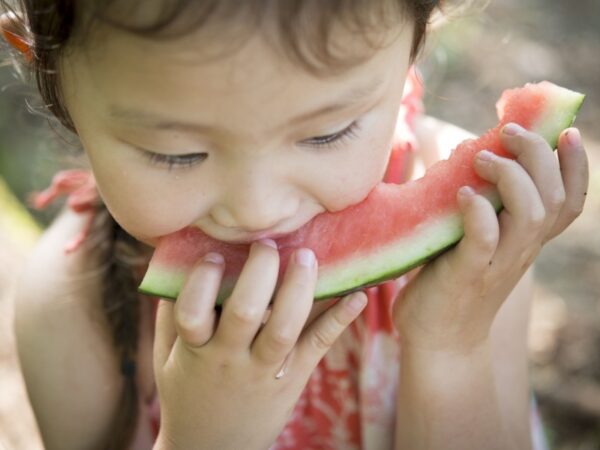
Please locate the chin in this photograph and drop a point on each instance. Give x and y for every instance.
(151, 242)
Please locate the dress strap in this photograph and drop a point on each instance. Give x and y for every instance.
(405, 140)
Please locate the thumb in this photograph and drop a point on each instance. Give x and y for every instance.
(165, 332)
(320, 335)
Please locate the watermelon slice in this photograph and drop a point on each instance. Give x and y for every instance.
(396, 228)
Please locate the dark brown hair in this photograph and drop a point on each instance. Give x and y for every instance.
(52, 25)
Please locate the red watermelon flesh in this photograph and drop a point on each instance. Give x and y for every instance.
(396, 228)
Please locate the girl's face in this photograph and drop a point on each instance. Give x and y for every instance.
(242, 146)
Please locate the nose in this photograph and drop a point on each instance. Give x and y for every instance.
(254, 204)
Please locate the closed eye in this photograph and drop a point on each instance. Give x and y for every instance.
(172, 161)
(190, 159)
(336, 139)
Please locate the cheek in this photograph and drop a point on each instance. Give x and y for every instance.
(363, 168)
(146, 202)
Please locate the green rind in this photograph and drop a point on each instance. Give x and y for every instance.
(170, 283)
(566, 105)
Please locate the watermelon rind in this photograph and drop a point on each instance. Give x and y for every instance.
(560, 113)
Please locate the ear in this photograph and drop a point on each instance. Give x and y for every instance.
(14, 32)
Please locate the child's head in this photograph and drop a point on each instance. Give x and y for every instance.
(220, 88)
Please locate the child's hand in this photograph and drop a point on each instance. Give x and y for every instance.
(451, 304)
(216, 376)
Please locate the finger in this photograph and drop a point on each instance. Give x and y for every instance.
(575, 173)
(476, 249)
(318, 338)
(291, 308)
(537, 158)
(523, 218)
(165, 333)
(244, 310)
(195, 314)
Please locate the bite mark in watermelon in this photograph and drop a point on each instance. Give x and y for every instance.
(395, 229)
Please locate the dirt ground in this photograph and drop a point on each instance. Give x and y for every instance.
(551, 39)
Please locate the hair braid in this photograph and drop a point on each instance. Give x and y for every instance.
(122, 308)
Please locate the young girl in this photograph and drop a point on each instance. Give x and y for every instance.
(247, 119)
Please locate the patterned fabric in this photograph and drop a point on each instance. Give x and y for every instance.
(349, 400)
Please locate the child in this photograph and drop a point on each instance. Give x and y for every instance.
(246, 119)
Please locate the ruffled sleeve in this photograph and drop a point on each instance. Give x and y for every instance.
(79, 185)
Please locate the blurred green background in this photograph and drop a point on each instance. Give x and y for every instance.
(467, 64)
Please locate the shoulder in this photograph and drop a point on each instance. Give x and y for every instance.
(49, 268)
(437, 138)
(48, 271)
(53, 285)
(63, 339)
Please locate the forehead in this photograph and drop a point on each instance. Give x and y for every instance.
(201, 72)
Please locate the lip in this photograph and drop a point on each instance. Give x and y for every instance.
(249, 238)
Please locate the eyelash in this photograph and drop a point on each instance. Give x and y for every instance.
(174, 160)
(335, 140)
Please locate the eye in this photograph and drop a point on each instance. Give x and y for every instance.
(337, 139)
(172, 161)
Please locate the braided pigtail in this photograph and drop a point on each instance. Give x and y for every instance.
(121, 303)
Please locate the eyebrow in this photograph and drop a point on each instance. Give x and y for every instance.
(151, 120)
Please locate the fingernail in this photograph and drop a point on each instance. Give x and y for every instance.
(466, 192)
(512, 129)
(485, 156)
(305, 257)
(215, 258)
(269, 242)
(574, 137)
(357, 302)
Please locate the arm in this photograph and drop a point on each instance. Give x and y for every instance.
(510, 328)
(69, 368)
(477, 396)
(475, 400)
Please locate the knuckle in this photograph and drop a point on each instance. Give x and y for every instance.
(322, 338)
(187, 321)
(245, 315)
(537, 218)
(487, 241)
(282, 338)
(556, 200)
(187, 325)
(192, 330)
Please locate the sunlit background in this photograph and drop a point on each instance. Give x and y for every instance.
(467, 64)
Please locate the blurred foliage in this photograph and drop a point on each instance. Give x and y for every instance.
(16, 220)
